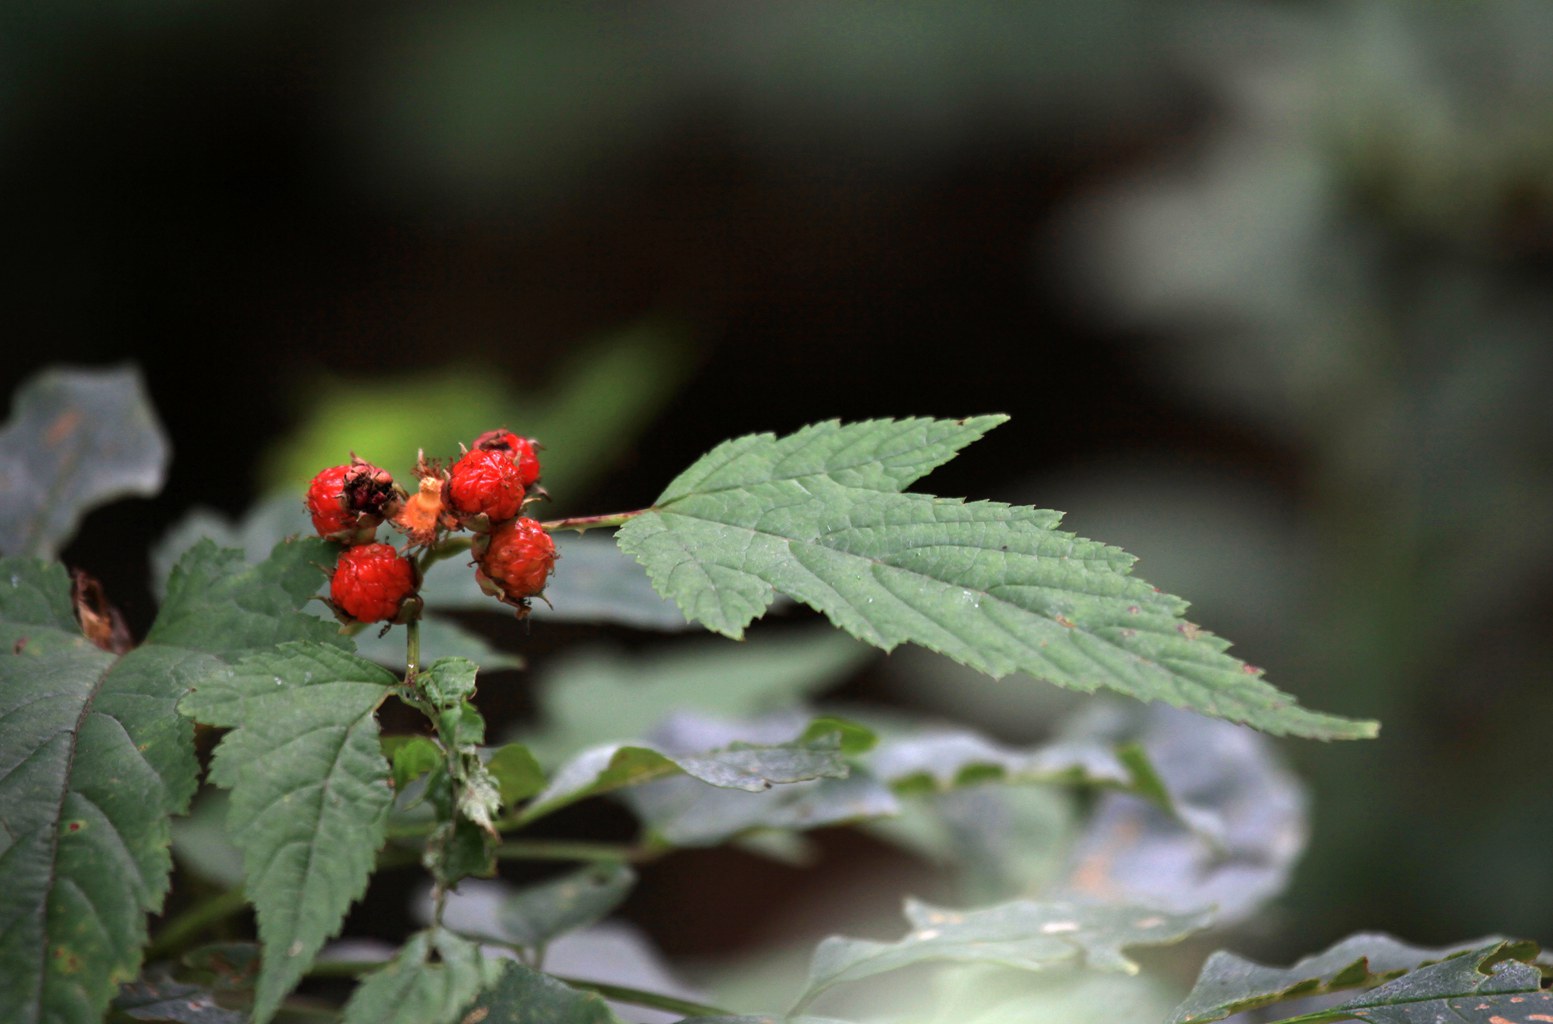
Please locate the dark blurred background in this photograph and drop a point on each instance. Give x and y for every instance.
(1267, 289)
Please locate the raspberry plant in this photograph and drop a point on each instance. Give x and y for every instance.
(99, 753)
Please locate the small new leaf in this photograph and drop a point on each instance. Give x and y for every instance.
(310, 793)
(819, 516)
(414, 989)
(526, 996)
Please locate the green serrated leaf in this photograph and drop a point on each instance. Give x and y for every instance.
(450, 681)
(411, 757)
(1020, 934)
(310, 792)
(1495, 984)
(415, 989)
(816, 516)
(1229, 984)
(209, 603)
(534, 915)
(525, 996)
(94, 760)
(76, 438)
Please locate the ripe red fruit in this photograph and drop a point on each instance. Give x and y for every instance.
(484, 483)
(347, 502)
(326, 504)
(514, 562)
(522, 450)
(373, 583)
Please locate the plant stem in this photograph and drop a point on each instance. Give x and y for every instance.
(343, 968)
(449, 547)
(640, 997)
(583, 523)
(412, 651)
(175, 933)
(581, 850)
(440, 904)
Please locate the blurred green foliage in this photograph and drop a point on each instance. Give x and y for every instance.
(598, 404)
(1352, 265)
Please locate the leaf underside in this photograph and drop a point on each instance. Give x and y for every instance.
(1021, 933)
(749, 768)
(76, 439)
(819, 516)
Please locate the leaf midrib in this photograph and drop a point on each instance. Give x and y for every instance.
(881, 564)
(53, 844)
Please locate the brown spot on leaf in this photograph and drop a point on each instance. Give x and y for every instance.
(63, 426)
(19, 646)
(1190, 630)
(1064, 622)
(476, 1015)
(1250, 670)
(1133, 609)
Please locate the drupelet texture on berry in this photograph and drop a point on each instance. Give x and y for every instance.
(514, 562)
(373, 583)
(348, 502)
(484, 483)
(522, 449)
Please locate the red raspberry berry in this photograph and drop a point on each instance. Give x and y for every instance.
(484, 483)
(347, 502)
(373, 583)
(514, 562)
(522, 450)
(326, 504)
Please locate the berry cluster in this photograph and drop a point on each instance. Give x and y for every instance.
(484, 491)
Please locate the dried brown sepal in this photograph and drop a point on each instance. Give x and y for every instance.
(100, 622)
(370, 491)
(422, 517)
